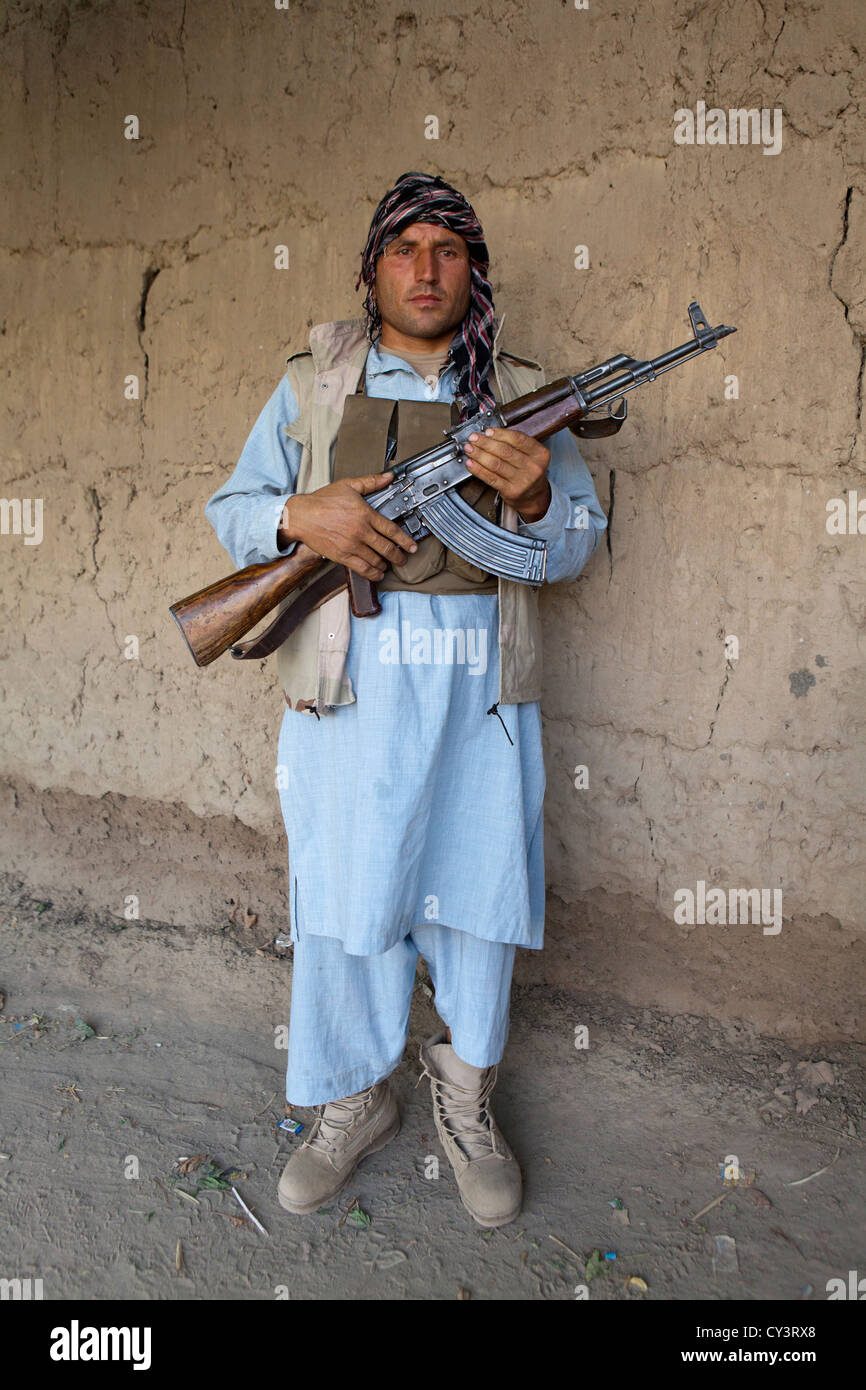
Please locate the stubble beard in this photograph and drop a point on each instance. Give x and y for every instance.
(420, 323)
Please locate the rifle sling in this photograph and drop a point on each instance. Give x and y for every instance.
(588, 428)
(333, 579)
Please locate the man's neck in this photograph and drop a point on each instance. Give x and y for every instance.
(392, 338)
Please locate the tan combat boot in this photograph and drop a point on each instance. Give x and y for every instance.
(486, 1170)
(343, 1133)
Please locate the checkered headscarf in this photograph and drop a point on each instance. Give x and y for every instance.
(427, 198)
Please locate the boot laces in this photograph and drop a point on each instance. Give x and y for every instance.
(474, 1134)
(336, 1119)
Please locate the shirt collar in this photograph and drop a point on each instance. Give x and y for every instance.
(380, 360)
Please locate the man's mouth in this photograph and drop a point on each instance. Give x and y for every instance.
(426, 299)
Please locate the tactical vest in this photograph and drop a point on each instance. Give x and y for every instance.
(311, 663)
(371, 430)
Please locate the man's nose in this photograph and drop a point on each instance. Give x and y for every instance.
(427, 267)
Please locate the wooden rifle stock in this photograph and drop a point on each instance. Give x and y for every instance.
(214, 618)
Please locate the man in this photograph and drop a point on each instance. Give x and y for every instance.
(410, 759)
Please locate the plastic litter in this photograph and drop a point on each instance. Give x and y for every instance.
(725, 1255)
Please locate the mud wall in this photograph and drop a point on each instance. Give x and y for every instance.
(706, 670)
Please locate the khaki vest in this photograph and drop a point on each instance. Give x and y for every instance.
(311, 663)
(371, 424)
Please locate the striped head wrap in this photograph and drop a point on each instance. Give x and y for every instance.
(419, 197)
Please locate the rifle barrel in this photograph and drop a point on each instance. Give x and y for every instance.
(647, 371)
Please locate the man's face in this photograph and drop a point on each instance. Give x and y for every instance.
(423, 284)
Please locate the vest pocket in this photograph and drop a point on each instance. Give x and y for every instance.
(427, 560)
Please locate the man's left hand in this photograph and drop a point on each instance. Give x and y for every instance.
(516, 465)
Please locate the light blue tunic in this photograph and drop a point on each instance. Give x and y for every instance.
(411, 805)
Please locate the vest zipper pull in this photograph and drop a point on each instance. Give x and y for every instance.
(494, 709)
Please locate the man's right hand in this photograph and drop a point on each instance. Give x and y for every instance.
(339, 525)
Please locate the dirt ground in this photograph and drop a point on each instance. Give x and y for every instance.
(122, 1043)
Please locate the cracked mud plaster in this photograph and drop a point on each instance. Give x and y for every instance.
(848, 287)
(149, 276)
(156, 258)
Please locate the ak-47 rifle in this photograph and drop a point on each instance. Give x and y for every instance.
(421, 498)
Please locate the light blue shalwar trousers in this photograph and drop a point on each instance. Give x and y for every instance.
(350, 1014)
